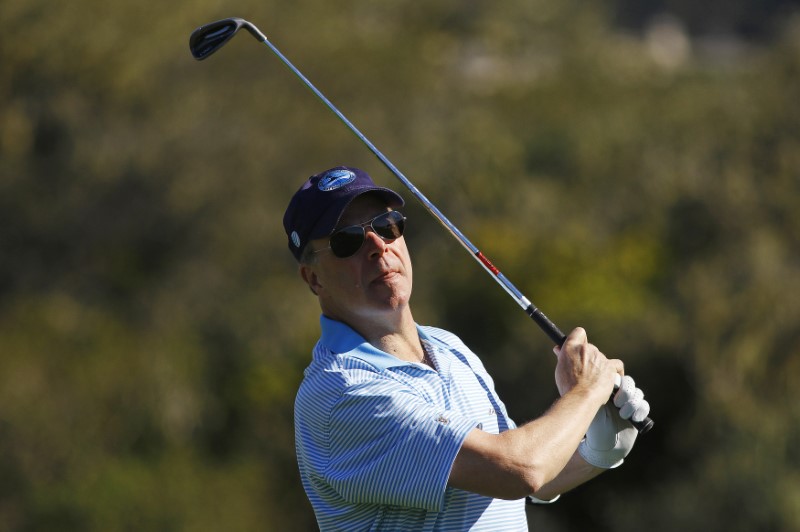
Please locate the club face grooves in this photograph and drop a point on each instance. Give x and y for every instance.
(209, 38)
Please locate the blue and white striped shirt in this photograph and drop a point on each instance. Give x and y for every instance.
(376, 436)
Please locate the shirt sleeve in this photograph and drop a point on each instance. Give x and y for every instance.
(390, 446)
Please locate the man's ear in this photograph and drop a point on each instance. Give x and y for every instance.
(310, 277)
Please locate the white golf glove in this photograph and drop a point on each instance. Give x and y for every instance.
(611, 436)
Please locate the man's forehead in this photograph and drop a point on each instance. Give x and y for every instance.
(361, 209)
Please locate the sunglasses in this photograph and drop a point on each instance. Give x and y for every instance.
(348, 240)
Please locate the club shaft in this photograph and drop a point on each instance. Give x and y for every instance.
(544, 323)
(552, 331)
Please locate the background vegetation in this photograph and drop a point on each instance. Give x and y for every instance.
(633, 167)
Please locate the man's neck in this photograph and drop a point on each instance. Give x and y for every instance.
(404, 346)
(395, 334)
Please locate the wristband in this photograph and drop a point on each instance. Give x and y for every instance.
(530, 499)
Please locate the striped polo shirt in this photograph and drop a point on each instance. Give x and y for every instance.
(376, 436)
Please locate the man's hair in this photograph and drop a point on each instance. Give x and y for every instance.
(308, 256)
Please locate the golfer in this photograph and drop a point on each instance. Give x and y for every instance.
(398, 425)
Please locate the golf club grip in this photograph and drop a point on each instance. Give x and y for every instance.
(544, 323)
(558, 337)
(644, 425)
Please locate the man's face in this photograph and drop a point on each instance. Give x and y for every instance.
(377, 279)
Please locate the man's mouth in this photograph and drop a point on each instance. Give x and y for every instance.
(385, 275)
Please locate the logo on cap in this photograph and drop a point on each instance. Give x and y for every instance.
(295, 239)
(335, 179)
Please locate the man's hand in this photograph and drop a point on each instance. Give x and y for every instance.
(581, 364)
(611, 436)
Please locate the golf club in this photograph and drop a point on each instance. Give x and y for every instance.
(207, 39)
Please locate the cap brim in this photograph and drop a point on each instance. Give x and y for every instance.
(330, 218)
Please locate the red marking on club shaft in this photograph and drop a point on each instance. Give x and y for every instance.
(486, 262)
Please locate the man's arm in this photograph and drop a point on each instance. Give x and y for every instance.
(539, 458)
(576, 472)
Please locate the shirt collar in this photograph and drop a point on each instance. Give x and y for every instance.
(341, 339)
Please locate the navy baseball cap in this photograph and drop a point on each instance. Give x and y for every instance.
(315, 209)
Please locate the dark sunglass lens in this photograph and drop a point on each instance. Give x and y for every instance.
(347, 241)
(389, 225)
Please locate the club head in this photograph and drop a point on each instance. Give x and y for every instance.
(210, 37)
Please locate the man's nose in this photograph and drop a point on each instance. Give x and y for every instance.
(377, 245)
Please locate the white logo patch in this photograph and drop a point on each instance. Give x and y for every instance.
(335, 179)
(295, 239)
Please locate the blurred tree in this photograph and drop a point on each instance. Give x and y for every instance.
(153, 331)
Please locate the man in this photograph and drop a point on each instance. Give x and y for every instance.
(398, 425)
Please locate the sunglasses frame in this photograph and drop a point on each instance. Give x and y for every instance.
(363, 225)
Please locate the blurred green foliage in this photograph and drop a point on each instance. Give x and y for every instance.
(642, 183)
